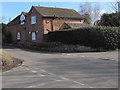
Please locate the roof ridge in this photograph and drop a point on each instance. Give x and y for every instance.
(24, 12)
(54, 7)
(59, 12)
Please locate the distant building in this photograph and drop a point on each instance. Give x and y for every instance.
(29, 27)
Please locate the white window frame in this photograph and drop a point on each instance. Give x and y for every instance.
(22, 18)
(33, 35)
(22, 22)
(18, 36)
(33, 19)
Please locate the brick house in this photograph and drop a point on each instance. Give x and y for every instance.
(30, 27)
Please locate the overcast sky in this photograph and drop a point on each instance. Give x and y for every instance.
(12, 9)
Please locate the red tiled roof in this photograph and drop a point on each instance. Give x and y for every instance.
(57, 12)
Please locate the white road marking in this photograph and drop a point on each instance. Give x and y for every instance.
(58, 80)
(27, 68)
(23, 63)
(30, 86)
(6, 71)
(91, 87)
(68, 54)
(72, 81)
(78, 82)
(43, 70)
(64, 78)
(36, 86)
(82, 56)
(34, 71)
(42, 75)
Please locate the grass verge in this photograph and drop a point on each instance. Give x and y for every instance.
(8, 62)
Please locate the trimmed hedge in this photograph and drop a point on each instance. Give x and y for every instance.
(95, 37)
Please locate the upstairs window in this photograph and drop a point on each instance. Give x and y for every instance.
(18, 36)
(33, 19)
(22, 19)
(22, 22)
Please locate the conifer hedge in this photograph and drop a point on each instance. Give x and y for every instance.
(95, 37)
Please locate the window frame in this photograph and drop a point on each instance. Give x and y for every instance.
(18, 36)
(33, 36)
(22, 19)
(33, 20)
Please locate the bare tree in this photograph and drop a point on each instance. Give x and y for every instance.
(85, 10)
(116, 6)
(96, 12)
(2, 18)
(91, 9)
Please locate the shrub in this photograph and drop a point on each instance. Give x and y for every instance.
(95, 37)
(6, 35)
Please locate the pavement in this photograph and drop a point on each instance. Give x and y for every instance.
(62, 70)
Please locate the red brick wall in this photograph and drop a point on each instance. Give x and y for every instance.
(17, 28)
(56, 23)
(38, 27)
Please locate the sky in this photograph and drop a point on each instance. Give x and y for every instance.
(11, 9)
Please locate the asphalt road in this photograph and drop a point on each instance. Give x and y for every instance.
(61, 70)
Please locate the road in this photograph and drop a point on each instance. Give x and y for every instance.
(62, 70)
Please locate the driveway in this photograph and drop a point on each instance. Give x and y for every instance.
(62, 70)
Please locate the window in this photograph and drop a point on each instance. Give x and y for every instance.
(22, 19)
(33, 36)
(33, 19)
(18, 36)
(22, 22)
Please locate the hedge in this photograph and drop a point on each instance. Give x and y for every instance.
(95, 37)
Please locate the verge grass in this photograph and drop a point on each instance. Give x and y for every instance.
(6, 59)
